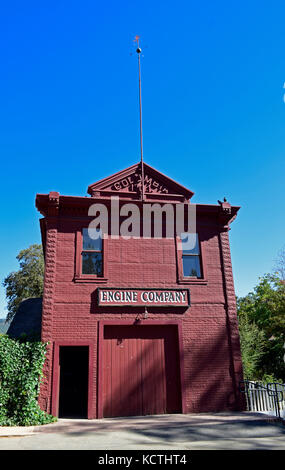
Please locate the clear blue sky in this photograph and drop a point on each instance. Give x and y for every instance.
(213, 110)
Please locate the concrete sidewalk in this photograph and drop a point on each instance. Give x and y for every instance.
(213, 431)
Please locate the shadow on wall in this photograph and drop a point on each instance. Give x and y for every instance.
(209, 369)
(151, 380)
(209, 378)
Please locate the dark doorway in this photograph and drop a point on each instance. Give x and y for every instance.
(73, 391)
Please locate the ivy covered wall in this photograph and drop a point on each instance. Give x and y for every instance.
(21, 364)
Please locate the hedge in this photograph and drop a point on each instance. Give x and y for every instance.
(21, 364)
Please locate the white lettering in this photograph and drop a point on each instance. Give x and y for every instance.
(103, 295)
(157, 211)
(99, 224)
(130, 228)
(146, 296)
(115, 217)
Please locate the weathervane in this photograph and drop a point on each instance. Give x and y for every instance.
(138, 50)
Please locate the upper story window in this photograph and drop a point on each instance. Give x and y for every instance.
(92, 252)
(191, 260)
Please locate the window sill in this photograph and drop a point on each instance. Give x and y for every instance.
(193, 280)
(90, 279)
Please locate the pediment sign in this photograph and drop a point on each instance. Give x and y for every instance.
(134, 183)
(130, 181)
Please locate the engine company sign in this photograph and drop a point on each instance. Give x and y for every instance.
(144, 297)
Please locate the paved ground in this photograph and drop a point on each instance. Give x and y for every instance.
(218, 431)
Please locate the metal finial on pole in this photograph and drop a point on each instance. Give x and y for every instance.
(140, 101)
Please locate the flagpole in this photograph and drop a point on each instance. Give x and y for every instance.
(140, 102)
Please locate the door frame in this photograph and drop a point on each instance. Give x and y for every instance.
(103, 323)
(56, 375)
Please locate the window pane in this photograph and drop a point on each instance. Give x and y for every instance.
(92, 239)
(191, 266)
(190, 243)
(92, 263)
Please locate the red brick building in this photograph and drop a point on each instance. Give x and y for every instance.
(140, 325)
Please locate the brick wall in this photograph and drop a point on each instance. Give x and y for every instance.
(212, 364)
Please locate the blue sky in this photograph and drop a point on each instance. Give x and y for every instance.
(213, 110)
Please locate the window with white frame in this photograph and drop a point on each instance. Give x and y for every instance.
(191, 259)
(92, 252)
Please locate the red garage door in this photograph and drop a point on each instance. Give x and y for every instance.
(140, 370)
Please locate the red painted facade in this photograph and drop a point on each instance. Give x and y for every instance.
(164, 358)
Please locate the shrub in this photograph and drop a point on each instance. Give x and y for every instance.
(21, 364)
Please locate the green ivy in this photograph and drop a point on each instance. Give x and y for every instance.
(21, 365)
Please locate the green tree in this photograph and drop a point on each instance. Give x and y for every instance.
(27, 281)
(252, 341)
(265, 308)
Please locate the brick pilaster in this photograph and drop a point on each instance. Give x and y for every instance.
(232, 321)
(47, 312)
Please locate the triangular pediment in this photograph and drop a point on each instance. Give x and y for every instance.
(128, 183)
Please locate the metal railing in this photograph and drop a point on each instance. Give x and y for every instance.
(266, 398)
